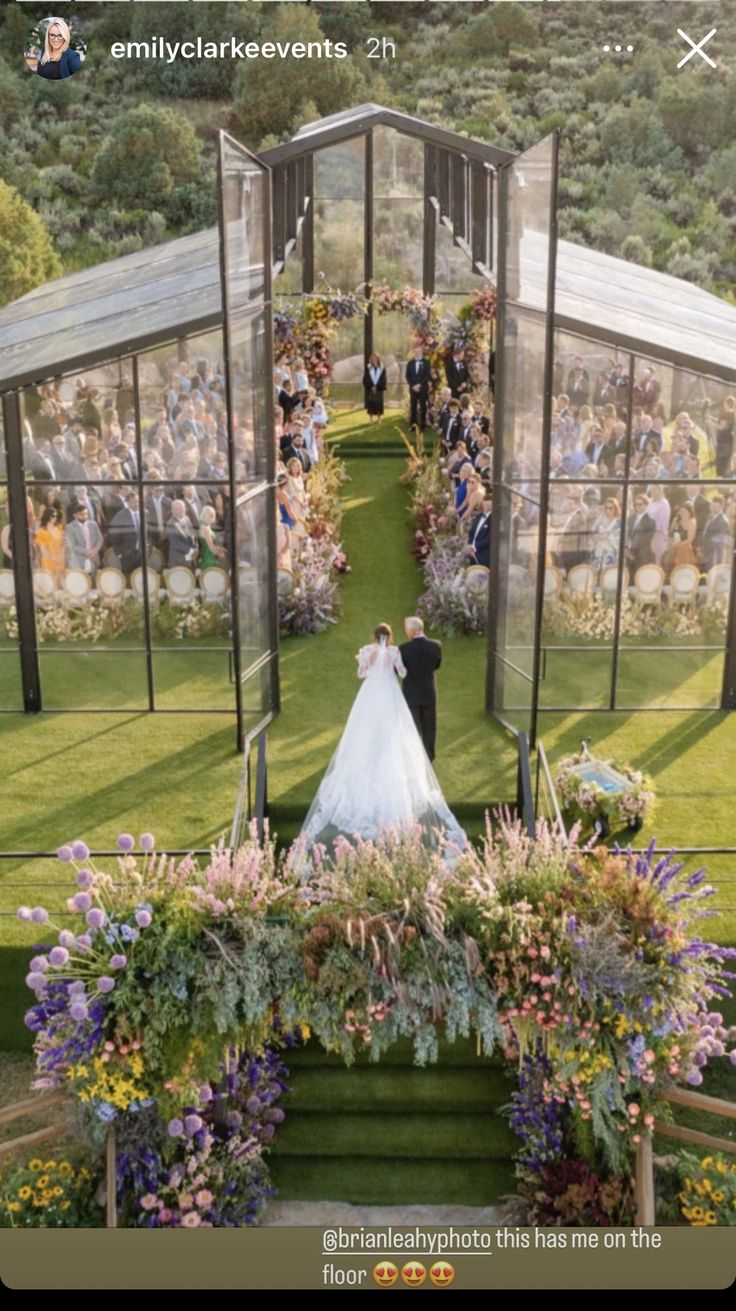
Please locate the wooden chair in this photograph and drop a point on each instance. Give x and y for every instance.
(44, 587)
(214, 584)
(718, 583)
(110, 586)
(180, 585)
(476, 579)
(76, 588)
(7, 587)
(154, 586)
(683, 588)
(581, 580)
(648, 584)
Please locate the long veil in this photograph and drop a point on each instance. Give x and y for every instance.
(380, 776)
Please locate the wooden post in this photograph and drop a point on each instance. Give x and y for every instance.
(111, 1198)
(644, 1181)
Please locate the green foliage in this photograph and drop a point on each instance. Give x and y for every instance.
(27, 256)
(148, 152)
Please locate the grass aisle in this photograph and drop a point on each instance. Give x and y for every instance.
(475, 758)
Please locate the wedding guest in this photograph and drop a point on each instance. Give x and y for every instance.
(659, 510)
(640, 530)
(419, 377)
(210, 552)
(457, 371)
(716, 542)
(50, 542)
(181, 536)
(374, 387)
(607, 535)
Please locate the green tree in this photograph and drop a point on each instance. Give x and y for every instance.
(267, 102)
(148, 153)
(27, 256)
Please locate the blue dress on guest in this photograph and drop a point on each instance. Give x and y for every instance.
(460, 494)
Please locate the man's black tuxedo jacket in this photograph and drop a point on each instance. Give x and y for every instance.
(457, 374)
(423, 375)
(421, 657)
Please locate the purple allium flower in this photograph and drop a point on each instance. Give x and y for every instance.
(143, 918)
(233, 1119)
(147, 842)
(35, 980)
(175, 1128)
(82, 901)
(24, 913)
(128, 934)
(205, 1093)
(67, 939)
(126, 842)
(105, 983)
(85, 878)
(76, 988)
(732, 1056)
(84, 942)
(80, 850)
(78, 1011)
(95, 917)
(39, 964)
(694, 1078)
(39, 915)
(58, 956)
(64, 853)
(118, 962)
(192, 1124)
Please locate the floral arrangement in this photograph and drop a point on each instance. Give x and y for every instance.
(196, 619)
(314, 600)
(49, 1195)
(448, 604)
(594, 617)
(470, 330)
(587, 803)
(89, 623)
(309, 330)
(707, 1193)
(176, 985)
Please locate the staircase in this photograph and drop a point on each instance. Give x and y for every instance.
(391, 1133)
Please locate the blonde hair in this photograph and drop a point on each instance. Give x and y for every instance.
(48, 55)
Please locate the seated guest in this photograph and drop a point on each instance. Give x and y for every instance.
(479, 535)
(181, 536)
(84, 541)
(210, 552)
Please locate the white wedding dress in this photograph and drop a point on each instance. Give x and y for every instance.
(380, 777)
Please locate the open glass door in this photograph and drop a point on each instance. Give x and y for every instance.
(245, 248)
(527, 242)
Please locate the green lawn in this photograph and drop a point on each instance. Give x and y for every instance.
(96, 775)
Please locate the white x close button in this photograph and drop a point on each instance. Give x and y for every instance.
(697, 48)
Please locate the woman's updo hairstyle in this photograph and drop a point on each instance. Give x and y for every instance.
(383, 634)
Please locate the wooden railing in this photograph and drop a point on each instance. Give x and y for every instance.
(644, 1156)
(31, 1106)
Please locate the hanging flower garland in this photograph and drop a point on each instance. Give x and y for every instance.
(308, 331)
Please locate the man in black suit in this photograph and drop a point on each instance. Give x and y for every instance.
(125, 534)
(181, 536)
(598, 449)
(479, 536)
(578, 384)
(421, 658)
(419, 377)
(640, 530)
(457, 372)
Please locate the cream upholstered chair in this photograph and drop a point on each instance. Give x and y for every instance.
(76, 588)
(648, 584)
(180, 585)
(154, 586)
(7, 587)
(110, 586)
(581, 580)
(718, 583)
(284, 582)
(214, 585)
(684, 581)
(609, 580)
(553, 581)
(44, 587)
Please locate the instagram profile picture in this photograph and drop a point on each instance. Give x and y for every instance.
(54, 49)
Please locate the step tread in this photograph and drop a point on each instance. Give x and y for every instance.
(398, 1181)
(435, 1136)
(396, 1089)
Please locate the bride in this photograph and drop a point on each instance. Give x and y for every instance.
(380, 776)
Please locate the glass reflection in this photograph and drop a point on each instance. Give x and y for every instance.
(251, 539)
(398, 165)
(339, 170)
(398, 233)
(683, 424)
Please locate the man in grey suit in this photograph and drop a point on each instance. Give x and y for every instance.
(181, 537)
(83, 541)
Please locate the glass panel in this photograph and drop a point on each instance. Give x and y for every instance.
(453, 268)
(259, 694)
(83, 680)
(398, 165)
(684, 423)
(392, 340)
(11, 692)
(398, 242)
(530, 190)
(289, 281)
(524, 378)
(581, 582)
(339, 170)
(590, 409)
(243, 200)
(74, 426)
(339, 243)
(674, 619)
(251, 548)
(183, 410)
(193, 677)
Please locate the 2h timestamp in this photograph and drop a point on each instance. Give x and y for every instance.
(380, 47)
